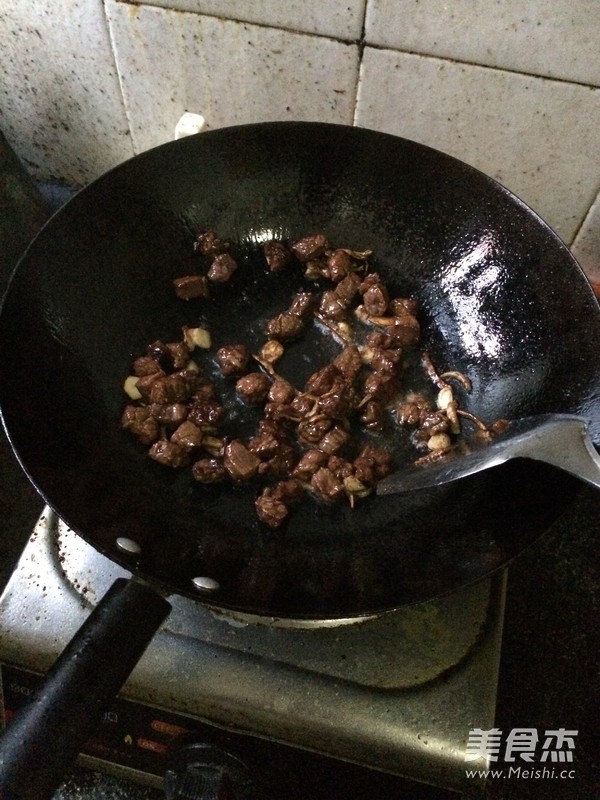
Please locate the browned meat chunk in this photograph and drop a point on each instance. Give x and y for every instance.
(309, 464)
(146, 365)
(173, 414)
(312, 429)
(169, 454)
(233, 358)
(254, 387)
(323, 380)
(239, 462)
(173, 388)
(310, 247)
(339, 264)
(281, 391)
(222, 268)
(326, 485)
(410, 411)
(332, 306)
(348, 362)
(285, 326)
(276, 255)
(141, 423)
(270, 510)
(302, 304)
(206, 412)
(334, 440)
(209, 470)
(187, 435)
(209, 244)
(373, 415)
(405, 330)
(189, 287)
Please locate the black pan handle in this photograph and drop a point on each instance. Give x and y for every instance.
(46, 735)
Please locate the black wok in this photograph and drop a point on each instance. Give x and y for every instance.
(502, 300)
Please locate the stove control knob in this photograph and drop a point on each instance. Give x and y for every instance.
(198, 771)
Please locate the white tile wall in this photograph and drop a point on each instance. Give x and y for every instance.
(60, 103)
(231, 72)
(510, 87)
(522, 130)
(555, 38)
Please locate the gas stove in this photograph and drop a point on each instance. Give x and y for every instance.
(397, 693)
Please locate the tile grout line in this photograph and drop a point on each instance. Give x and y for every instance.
(363, 44)
(113, 51)
(359, 67)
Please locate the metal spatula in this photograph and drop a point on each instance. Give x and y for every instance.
(557, 439)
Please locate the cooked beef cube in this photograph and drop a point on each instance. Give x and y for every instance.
(375, 295)
(405, 330)
(326, 485)
(348, 288)
(187, 435)
(381, 459)
(281, 464)
(206, 412)
(386, 360)
(209, 244)
(222, 268)
(332, 306)
(338, 401)
(339, 264)
(277, 255)
(141, 423)
(302, 304)
(144, 385)
(146, 365)
(169, 454)
(431, 423)
(401, 306)
(289, 490)
(281, 391)
(254, 387)
(209, 470)
(340, 467)
(173, 414)
(309, 464)
(323, 380)
(302, 404)
(204, 389)
(239, 462)
(279, 411)
(348, 362)
(410, 411)
(285, 326)
(380, 341)
(233, 358)
(270, 510)
(189, 287)
(310, 247)
(312, 429)
(162, 355)
(173, 388)
(180, 354)
(266, 443)
(334, 440)
(380, 385)
(373, 415)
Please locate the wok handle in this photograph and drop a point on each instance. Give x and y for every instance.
(46, 735)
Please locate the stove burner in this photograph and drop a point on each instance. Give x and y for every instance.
(398, 692)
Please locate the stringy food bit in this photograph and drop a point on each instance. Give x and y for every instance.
(327, 439)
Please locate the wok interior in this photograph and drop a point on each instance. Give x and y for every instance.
(501, 300)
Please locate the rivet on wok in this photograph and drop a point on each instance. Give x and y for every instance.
(205, 584)
(128, 546)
